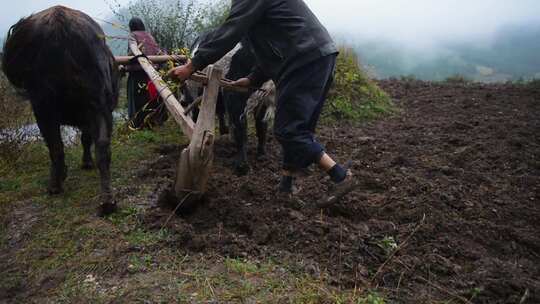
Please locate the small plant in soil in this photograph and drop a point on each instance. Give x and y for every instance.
(388, 244)
(372, 298)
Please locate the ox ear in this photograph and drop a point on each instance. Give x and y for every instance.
(10, 58)
(8, 36)
(195, 49)
(10, 31)
(14, 28)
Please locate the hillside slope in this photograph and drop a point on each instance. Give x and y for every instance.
(511, 54)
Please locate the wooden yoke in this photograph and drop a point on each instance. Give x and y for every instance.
(195, 162)
(153, 58)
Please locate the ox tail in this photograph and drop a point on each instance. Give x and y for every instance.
(12, 59)
(265, 99)
(269, 114)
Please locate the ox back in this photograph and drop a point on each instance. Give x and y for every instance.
(60, 58)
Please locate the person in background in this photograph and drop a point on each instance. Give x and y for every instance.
(295, 50)
(142, 97)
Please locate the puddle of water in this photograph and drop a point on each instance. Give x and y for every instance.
(30, 133)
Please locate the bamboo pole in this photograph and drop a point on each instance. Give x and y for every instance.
(152, 58)
(177, 111)
(226, 84)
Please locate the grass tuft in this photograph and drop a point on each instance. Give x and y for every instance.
(354, 96)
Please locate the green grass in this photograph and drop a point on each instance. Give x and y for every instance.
(458, 79)
(533, 83)
(354, 96)
(67, 233)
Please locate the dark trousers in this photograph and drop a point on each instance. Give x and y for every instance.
(142, 111)
(137, 94)
(301, 94)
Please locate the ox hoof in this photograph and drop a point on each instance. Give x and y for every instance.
(55, 190)
(64, 173)
(261, 155)
(88, 165)
(241, 169)
(223, 130)
(106, 209)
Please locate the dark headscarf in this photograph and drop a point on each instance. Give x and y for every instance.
(136, 24)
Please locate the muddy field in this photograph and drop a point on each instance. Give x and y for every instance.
(447, 213)
(448, 209)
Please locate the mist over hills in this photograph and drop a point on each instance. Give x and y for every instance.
(513, 53)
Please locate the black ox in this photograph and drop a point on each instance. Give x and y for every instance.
(236, 103)
(60, 58)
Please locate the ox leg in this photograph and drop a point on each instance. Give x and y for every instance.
(241, 166)
(195, 114)
(103, 157)
(235, 105)
(50, 130)
(262, 129)
(87, 161)
(220, 110)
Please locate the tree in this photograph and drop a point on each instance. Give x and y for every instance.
(174, 23)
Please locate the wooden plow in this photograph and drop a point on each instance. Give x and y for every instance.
(195, 163)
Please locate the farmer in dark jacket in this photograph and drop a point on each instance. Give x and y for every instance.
(295, 50)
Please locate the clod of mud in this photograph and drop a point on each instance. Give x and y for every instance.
(184, 205)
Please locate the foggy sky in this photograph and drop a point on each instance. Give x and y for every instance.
(13, 10)
(417, 23)
(424, 23)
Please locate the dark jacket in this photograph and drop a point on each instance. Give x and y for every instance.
(283, 34)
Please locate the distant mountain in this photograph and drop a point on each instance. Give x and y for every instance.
(514, 53)
(116, 37)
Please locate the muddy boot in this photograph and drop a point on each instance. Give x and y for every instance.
(339, 191)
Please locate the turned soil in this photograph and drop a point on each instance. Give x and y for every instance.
(452, 179)
(448, 208)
